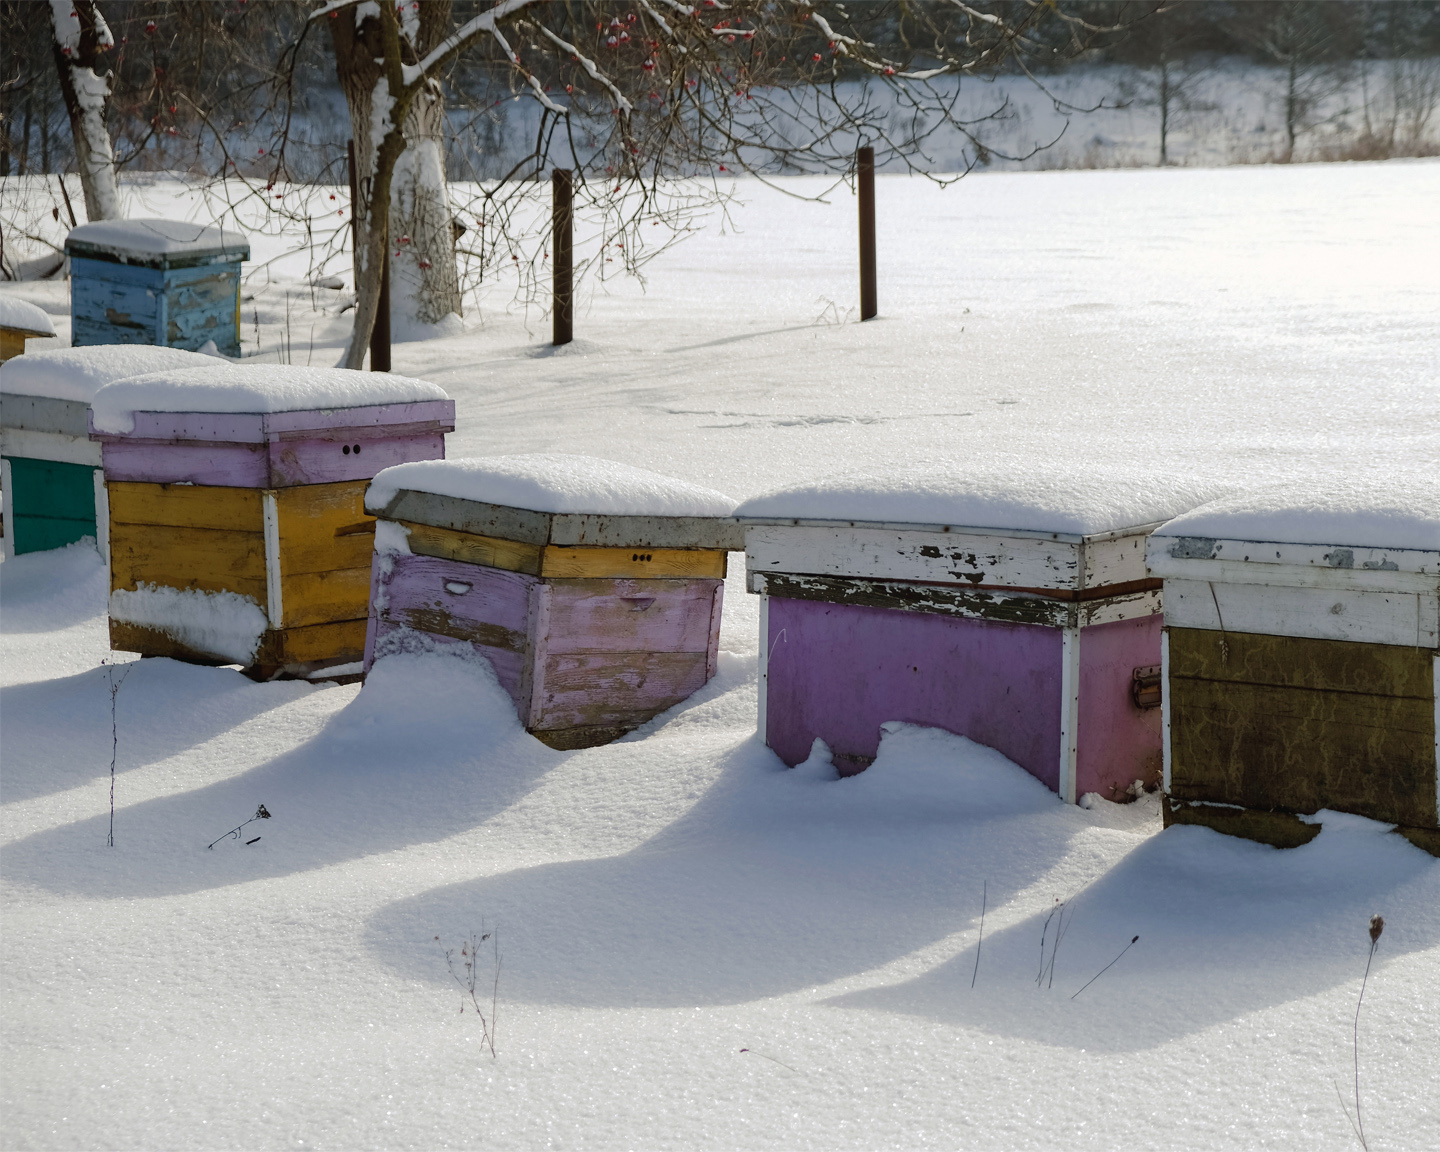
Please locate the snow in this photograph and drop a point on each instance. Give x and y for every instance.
(159, 237)
(998, 491)
(250, 388)
(24, 316)
(217, 623)
(78, 373)
(551, 482)
(1385, 510)
(701, 949)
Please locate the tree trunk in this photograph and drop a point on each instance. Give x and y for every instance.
(424, 277)
(81, 35)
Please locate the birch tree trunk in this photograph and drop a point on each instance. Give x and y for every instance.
(81, 35)
(425, 283)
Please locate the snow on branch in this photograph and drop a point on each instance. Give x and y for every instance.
(589, 66)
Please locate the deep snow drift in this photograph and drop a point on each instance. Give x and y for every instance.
(699, 947)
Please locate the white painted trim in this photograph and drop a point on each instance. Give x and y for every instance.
(1407, 619)
(49, 446)
(876, 554)
(275, 601)
(763, 685)
(1069, 711)
(1165, 707)
(1141, 530)
(1161, 549)
(1276, 575)
(102, 517)
(8, 490)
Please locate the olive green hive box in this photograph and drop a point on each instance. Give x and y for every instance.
(1299, 677)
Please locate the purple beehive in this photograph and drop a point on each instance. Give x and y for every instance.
(593, 589)
(1042, 644)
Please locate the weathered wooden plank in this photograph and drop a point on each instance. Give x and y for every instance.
(322, 597)
(569, 530)
(204, 558)
(1300, 750)
(1114, 558)
(1179, 555)
(226, 465)
(1324, 614)
(1297, 662)
(1017, 607)
(939, 599)
(935, 557)
(49, 446)
(114, 304)
(326, 460)
(44, 414)
(630, 615)
(486, 605)
(323, 527)
(337, 642)
(53, 490)
(185, 506)
(421, 417)
(493, 552)
(632, 563)
(614, 689)
(1277, 575)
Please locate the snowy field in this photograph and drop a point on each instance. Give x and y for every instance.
(701, 949)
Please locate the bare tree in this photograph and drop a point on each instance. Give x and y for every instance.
(1303, 38)
(634, 94)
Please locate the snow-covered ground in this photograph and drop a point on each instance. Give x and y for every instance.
(699, 947)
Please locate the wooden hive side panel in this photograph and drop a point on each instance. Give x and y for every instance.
(1299, 724)
(335, 642)
(485, 607)
(606, 690)
(325, 542)
(634, 563)
(230, 465)
(183, 536)
(469, 548)
(51, 503)
(201, 306)
(631, 615)
(330, 457)
(906, 554)
(114, 303)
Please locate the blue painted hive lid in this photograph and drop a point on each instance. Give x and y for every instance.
(157, 243)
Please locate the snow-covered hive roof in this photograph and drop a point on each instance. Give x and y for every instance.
(551, 482)
(155, 243)
(78, 373)
(22, 316)
(1078, 498)
(251, 388)
(1396, 510)
(553, 498)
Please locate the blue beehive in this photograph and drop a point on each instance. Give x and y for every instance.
(165, 282)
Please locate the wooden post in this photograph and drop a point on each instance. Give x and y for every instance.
(865, 165)
(562, 222)
(380, 334)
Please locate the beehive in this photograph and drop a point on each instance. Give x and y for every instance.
(1043, 645)
(240, 536)
(21, 321)
(53, 484)
(1299, 677)
(595, 622)
(164, 282)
